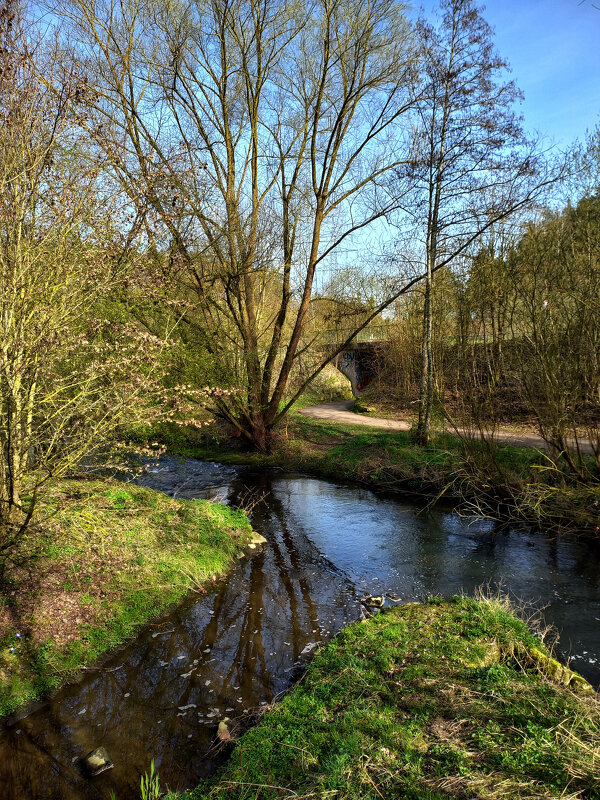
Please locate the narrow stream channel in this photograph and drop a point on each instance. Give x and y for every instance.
(236, 648)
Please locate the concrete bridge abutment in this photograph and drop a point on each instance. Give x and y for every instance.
(359, 363)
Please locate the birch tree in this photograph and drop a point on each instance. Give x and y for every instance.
(473, 165)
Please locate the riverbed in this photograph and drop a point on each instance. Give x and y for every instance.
(239, 646)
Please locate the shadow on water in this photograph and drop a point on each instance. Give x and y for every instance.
(236, 648)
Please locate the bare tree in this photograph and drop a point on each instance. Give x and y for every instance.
(472, 165)
(554, 274)
(64, 378)
(256, 136)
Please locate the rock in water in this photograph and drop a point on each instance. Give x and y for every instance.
(372, 602)
(97, 761)
(255, 540)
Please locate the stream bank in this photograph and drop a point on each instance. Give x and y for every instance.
(495, 480)
(106, 558)
(432, 701)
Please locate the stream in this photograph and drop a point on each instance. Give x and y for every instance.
(238, 647)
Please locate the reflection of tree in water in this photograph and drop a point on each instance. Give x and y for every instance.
(273, 605)
(263, 615)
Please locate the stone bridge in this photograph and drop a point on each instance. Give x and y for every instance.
(359, 361)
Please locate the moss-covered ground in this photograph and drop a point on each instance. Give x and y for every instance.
(424, 702)
(105, 558)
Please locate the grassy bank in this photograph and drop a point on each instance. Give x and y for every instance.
(109, 557)
(496, 480)
(424, 702)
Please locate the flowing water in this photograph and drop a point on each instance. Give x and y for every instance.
(238, 647)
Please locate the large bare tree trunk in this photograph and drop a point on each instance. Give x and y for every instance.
(289, 117)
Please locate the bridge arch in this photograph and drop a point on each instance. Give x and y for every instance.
(359, 363)
(360, 360)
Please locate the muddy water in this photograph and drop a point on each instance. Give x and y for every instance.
(237, 647)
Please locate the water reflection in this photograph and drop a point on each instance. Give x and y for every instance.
(379, 542)
(218, 655)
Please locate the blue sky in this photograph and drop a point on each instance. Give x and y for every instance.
(553, 47)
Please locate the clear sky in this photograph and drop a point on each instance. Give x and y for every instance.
(553, 47)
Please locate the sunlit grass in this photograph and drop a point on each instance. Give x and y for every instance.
(425, 701)
(112, 556)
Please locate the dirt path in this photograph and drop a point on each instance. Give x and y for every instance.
(340, 412)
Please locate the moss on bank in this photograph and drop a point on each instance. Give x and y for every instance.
(109, 557)
(424, 702)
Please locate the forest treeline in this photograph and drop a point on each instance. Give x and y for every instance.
(190, 193)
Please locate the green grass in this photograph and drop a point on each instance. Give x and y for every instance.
(111, 557)
(424, 702)
(348, 446)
